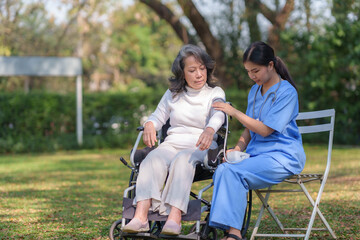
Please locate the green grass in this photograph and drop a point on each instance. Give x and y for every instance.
(78, 195)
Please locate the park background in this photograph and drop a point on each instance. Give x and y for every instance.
(127, 48)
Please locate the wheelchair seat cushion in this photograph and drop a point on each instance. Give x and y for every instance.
(140, 155)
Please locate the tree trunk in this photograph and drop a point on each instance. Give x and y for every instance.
(278, 20)
(251, 12)
(307, 4)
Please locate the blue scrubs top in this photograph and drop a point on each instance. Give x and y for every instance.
(279, 110)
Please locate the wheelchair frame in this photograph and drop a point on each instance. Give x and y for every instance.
(201, 229)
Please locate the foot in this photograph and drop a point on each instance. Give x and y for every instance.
(171, 228)
(233, 236)
(136, 226)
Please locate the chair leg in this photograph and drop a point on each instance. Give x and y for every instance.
(309, 228)
(315, 210)
(256, 227)
(269, 209)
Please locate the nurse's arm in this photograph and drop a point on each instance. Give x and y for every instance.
(243, 141)
(253, 124)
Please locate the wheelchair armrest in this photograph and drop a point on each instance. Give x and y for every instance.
(214, 158)
(222, 131)
(137, 156)
(140, 155)
(132, 155)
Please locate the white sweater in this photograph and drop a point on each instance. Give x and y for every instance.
(190, 113)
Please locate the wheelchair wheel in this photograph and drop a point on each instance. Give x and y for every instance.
(208, 233)
(115, 231)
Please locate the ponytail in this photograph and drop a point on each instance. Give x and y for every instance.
(282, 70)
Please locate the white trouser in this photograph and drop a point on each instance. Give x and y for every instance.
(174, 165)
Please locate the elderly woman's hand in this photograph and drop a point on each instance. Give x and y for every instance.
(149, 136)
(205, 139)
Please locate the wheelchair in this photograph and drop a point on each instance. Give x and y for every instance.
(198, 208)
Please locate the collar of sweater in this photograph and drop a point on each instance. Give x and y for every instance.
(195, 91)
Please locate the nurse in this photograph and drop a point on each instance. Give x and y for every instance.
(271, 137)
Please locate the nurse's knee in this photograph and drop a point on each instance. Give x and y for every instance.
(231, 173)
(223, 168)
(222, 172)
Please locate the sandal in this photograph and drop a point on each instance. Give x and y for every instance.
(229, 235)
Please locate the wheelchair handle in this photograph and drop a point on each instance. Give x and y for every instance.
(126, 164)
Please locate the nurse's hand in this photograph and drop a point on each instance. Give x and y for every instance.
(205, 139)
(149, 135)
(236, 148)
(225, 107)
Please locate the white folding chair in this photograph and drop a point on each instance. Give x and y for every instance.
(300, 180)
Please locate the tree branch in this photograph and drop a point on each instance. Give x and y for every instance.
(284, 14)
(165, 13)
(267, 12)
(279, 19)
(71, 22)
(202, 28)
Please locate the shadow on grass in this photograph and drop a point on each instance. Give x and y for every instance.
(342, 216)
(64, 199)
(79, 196)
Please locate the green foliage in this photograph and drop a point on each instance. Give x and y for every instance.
(143, 44)
(117, 44)
(326, 67)
(238, 98)
(38, 122)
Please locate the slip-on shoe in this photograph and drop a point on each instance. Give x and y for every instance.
(136, 226)
(171, 228)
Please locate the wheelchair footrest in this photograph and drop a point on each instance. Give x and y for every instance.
(188, 236)
(193, 212)
(139, 235)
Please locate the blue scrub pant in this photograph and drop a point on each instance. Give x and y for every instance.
(232, 183)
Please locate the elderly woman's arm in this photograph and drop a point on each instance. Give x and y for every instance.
(156, 120)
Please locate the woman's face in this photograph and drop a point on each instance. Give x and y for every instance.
(195, 73)
(258, 73)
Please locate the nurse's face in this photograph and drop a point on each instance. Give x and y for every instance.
(195, 73)
(258, 73)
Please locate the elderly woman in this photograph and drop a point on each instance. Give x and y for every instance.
(193, 127)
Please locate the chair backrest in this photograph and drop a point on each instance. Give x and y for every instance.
(315, 127)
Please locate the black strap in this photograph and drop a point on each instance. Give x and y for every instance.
(229, 235)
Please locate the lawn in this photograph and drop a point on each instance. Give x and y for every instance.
(77, 195)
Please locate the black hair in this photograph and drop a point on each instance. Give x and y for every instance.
(178, 82)
(262, 54)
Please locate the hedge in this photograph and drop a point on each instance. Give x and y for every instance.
(43, 122)
(46, 122)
